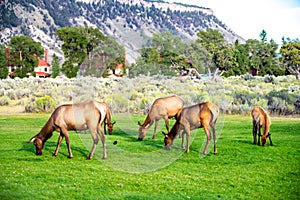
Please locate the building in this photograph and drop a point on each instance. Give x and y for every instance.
(43, 69)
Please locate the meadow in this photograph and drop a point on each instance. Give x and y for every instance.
(235, 95)
(143, 170)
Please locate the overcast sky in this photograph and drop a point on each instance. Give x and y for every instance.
(248, 18)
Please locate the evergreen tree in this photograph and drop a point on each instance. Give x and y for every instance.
(263, 56)
(219, 53)
(290, 57)
(23, 53)
(55, 66)
(164, 50)
(74, 48)
(3, 66)
(241, 57)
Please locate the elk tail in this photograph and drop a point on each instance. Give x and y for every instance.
(215, 113)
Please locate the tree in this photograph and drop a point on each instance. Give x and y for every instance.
(164, 50)
(290, 57)
(74, 48)
(219, 53)
(23, 53)
(263, 56)
(107, 54)
(169, 47)
(3, 66)
(94, 37)
(90, 48)
(199, 57)
(241, 57)
(55, 66)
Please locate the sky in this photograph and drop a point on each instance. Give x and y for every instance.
(248, 18)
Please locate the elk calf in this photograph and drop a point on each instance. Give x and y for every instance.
(162, 108)
(261, 119)
(203, 115)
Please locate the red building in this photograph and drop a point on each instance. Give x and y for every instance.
(43, 69)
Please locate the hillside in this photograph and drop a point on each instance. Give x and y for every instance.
(131, 22)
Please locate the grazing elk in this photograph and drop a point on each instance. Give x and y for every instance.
(162, 108)
(203, 115)
(261, 119)
(80, 116)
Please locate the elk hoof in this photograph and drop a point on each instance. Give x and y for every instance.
(104, 158)
(70, 157)
(88, 158)
(54, 155)
(140, 139)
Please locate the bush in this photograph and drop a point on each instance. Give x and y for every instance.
(233, 95)
(44, 104)
(248, 77)
(269, 79)
(4, 101)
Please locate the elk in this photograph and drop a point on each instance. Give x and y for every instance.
(80, 116)
(162, 108)
(203, 115)
(261, 119)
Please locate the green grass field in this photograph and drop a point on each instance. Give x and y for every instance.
(143, 170)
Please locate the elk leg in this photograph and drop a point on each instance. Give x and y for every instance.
(104, 127)
(58, 144)
(96, 139)
(208, 138)
(182, 142)
(259, 135)
(271, 143)
(102, 137)
(64, 132)
(254, 131)
(68, 145)
(155, 127)
(215, 138)
(187, 132)
(167, 124)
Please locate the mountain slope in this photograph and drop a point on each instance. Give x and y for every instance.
(131, 22)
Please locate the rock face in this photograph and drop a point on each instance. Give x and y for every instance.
(131, 22)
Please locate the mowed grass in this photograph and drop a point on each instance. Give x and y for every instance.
(143, 170)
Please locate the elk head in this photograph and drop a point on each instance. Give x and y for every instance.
(168, 141)
(264, 139)
(110, 127)
(142, 130)
(39, 145)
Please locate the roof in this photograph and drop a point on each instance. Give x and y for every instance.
(43, 74)
(43, 63)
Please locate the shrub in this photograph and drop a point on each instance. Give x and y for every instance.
(45, 104)
(4, 101)
(248, 77)
(269, 79)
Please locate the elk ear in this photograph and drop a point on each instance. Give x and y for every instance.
(268, 135)
(165, 134)
(139, 123)
(113, 122)
(31, 140)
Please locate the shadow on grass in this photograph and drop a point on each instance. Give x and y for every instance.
(50, 147)
(156, 143)
(245, 142)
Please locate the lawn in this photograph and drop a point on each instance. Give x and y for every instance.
(143, 170)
